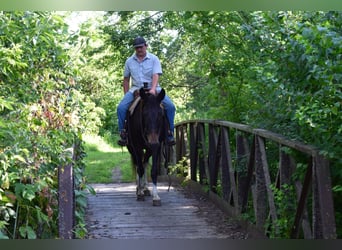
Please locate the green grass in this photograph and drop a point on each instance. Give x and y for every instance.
(102, 158)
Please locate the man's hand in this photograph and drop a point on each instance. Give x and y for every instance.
(152, 91)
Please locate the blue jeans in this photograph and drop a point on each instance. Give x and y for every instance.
(128, 99)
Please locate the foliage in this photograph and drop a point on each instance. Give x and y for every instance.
(284, 197)
(40, 121)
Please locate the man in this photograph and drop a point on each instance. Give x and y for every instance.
(142, 67)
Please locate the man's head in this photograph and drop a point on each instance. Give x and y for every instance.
(139, 42)
(140, 46)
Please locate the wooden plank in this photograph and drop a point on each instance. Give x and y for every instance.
(238, 126)
(261, 132)
(308, 149)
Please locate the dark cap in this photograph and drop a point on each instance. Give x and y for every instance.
(139, 41)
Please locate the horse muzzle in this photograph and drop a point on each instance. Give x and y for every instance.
(153, 138)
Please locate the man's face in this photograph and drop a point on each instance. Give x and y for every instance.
(140, 50)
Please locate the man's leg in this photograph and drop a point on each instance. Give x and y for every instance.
(170, 113)
(122, 111)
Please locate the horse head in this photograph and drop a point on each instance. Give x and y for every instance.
(153, 116)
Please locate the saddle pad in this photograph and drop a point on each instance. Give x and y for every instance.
(134, 105)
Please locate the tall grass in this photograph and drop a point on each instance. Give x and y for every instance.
(104, 159)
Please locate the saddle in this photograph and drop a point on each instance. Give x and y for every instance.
(136, 101)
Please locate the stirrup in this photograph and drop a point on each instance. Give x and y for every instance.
(122, 143)
(123, 139)
(170, 140)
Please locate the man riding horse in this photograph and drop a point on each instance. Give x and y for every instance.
(142, 67)
(152, 123)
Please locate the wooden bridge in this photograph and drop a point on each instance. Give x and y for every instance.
(281, 186)
(114, 213)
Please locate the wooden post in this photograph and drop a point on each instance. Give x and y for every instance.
(212, 158)
(193, 152)
(302, 201)
(228, 176)
(66, 202)
(251, 165)
(203, 163)
(324, 225)
(260, 198)
(268, 182)
(242, 156)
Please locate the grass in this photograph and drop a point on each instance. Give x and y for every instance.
(102, 158)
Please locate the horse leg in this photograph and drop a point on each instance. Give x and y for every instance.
(154, 173)
(145, 188)
(147, 156)
(140, 182)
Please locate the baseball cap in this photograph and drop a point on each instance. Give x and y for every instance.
(139, 41)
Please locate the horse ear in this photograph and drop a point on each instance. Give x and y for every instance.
(142, 93)
(161, 95)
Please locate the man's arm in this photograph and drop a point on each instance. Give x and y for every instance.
(157, 71)
(155, 79)
(125, 84)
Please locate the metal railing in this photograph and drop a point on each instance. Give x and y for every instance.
(262, 176)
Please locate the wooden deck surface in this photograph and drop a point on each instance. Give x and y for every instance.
(114, 213)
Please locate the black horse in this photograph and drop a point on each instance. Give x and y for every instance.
(147, 131)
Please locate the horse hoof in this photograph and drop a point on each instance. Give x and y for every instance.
(156, 203)
(147, 192)
(140, 197)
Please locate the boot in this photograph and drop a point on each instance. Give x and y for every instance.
(170, 139)
(123, 138)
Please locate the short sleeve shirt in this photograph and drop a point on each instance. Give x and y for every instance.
(141, 72)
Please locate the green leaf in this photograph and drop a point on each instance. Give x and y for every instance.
(27, 232)
(19, 158)
(19, 187)
(29, 192)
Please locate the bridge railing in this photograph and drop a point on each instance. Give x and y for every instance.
(282, 186)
